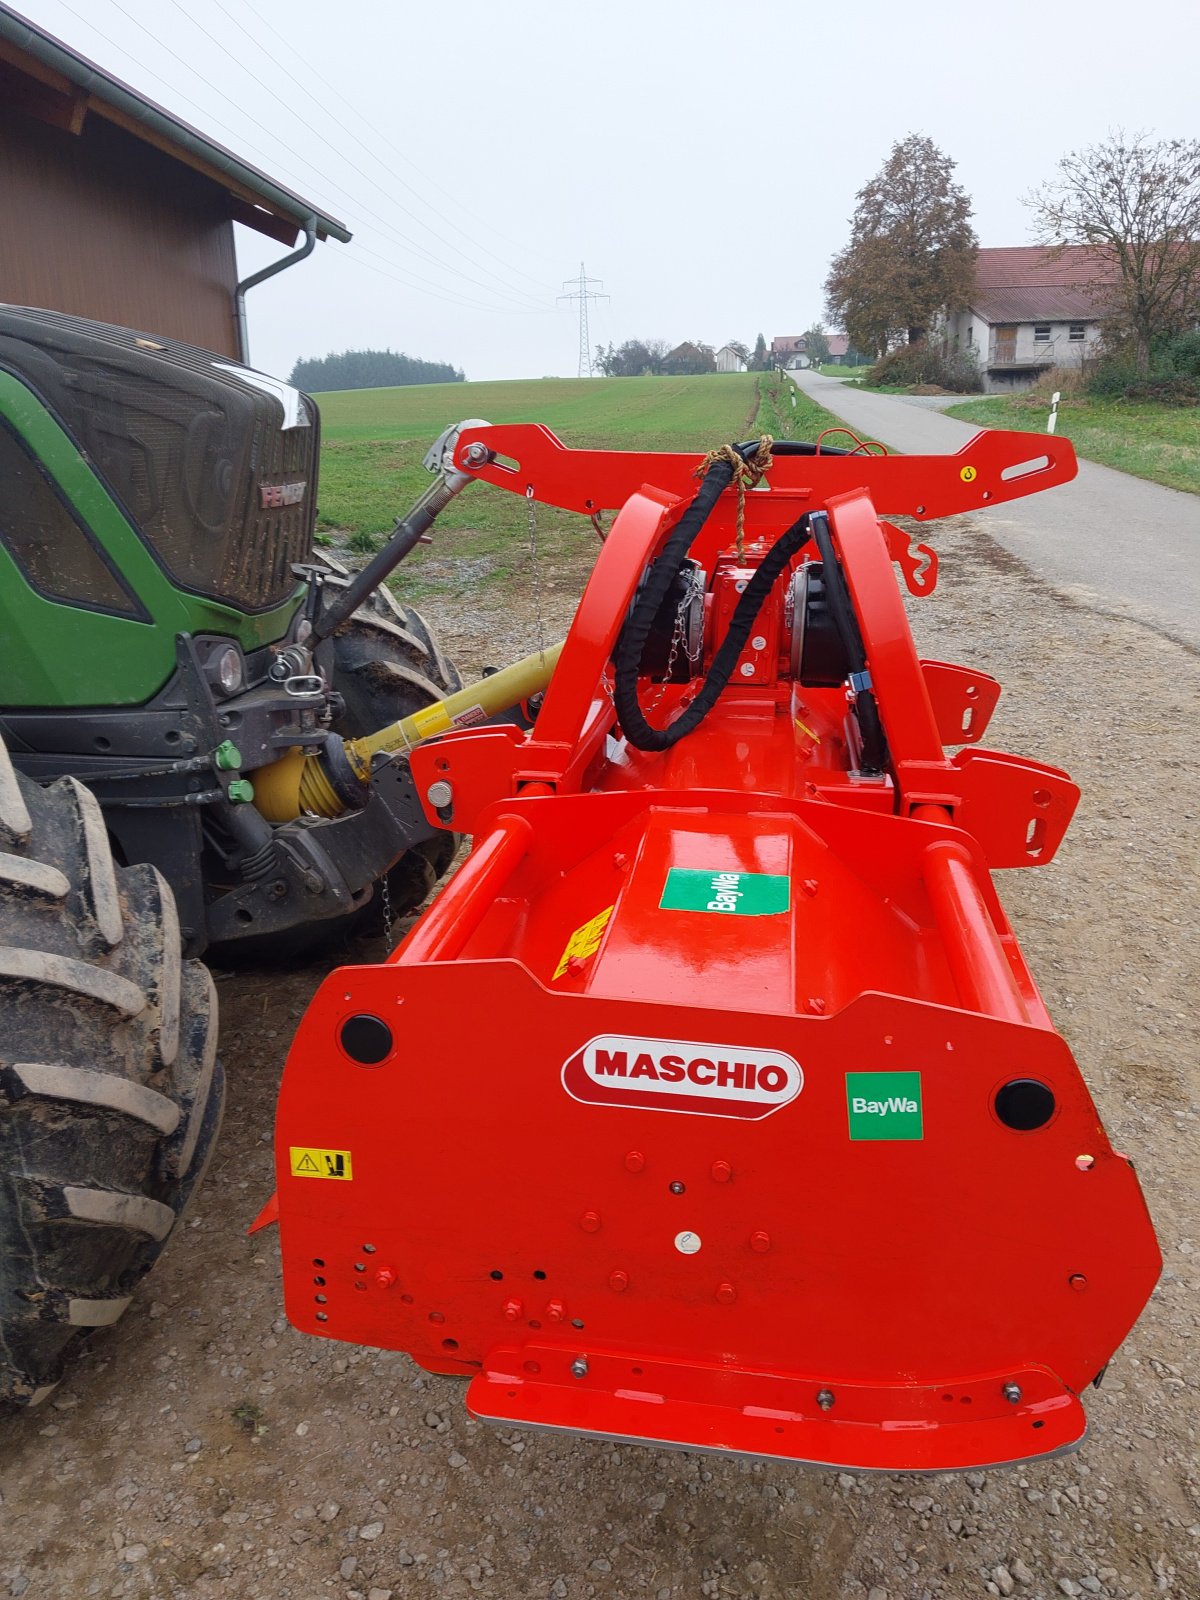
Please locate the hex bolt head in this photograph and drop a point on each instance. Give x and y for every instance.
(556, 1311)
(513, 1310)
(618, 1281)
(579, 1367)
(634, 1161)
(825, 1399)
(386, 1277)
(760, 1241)
(590, 1222)
(721, 1171)
(726, 1294)
(1012, 1393)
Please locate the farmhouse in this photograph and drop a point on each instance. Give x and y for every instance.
(729, 360)
(789, 350)
(1030, 311)
(115, 209)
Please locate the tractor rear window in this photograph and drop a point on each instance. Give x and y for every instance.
(52, 549)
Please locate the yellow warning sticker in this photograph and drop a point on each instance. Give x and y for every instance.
(968, 474)
(434, 719)
(584, 941)
(309, 1163)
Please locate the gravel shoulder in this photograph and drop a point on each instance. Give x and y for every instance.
(203, 1448)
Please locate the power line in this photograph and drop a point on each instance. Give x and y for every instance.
(419, 285)
(383, 138)
(400, 238)
(583, 293)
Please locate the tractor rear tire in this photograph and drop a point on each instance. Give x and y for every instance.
(110, 1089)
(388, 665)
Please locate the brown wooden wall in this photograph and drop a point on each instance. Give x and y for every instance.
(102, 225)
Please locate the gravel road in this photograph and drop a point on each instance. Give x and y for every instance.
(204, 1449)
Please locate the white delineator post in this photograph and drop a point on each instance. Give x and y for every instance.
(1052, 420)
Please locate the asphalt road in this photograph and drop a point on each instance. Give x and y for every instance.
(1118, 545)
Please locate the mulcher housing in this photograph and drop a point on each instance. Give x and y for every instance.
(713, 1102)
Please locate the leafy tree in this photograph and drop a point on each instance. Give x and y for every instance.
(370, 369)
(690, 358)
(636, 358)
(911, 253)
(1136, 206)
(758, 361)
(816, 345)
(742, 351)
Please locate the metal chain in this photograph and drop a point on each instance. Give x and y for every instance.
(385, 897)
(678, 637)
(537, 570)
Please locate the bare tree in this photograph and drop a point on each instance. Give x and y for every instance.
(911, 253)
(1136, 205)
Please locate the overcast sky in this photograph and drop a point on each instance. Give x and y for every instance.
(701, 158)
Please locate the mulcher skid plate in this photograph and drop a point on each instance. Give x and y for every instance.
(712, 1103)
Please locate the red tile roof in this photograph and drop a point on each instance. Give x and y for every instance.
(1026, 283)
(838, 343)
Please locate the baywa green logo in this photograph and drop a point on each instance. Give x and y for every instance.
(884, 1105)
(739, 894)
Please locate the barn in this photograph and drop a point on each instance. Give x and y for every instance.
(115, 209)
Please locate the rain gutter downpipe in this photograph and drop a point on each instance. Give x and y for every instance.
(306, 249)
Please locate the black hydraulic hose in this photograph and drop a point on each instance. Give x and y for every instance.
(874, 744)
(631, 645)
(636, 729)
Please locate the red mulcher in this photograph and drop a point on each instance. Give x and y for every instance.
(713, 1103)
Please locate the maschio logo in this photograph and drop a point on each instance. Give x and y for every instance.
(711, 1080)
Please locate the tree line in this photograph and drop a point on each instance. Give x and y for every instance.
(370, 369)
(642, 358)
(1133, 202)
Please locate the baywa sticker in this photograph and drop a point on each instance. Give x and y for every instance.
(710, 1080)
(884, 1105)
(739, 894)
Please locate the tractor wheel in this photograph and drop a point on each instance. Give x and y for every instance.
(110, 1090)
(388, 664)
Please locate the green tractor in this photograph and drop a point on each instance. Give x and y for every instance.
(165, 632)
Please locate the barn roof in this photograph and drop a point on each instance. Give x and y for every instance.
(1027, 283)
(42, 74)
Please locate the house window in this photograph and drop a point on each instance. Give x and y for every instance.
(1075, 332)
(1041, 332)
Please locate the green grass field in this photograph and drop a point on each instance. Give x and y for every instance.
(1152, 441)
(373, 441)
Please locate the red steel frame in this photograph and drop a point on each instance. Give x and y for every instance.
(935, 1299)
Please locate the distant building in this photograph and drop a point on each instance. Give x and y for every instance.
(789, 350)
(1029, 311)
(729, 360)
(115, 209)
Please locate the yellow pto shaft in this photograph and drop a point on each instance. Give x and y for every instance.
(327, 782)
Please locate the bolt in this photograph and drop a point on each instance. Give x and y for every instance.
(276, 889)
(809, 886)
(439, 794)
(590, 1222)
(760, 1241)
(634, 1161)
(677, 1187)
(726, 1294)
(825, 1399)
(816, 1005)
(513, 1310)
(721, 1171)
(620, 859)
(556, 1311)
(386, 1277)
(576, 965)
(475, 454)
(579, 1367)
(1077, 1282)
(1012, 1393)
(618, 1281)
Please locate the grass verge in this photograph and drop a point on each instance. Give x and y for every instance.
(1161, 443)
